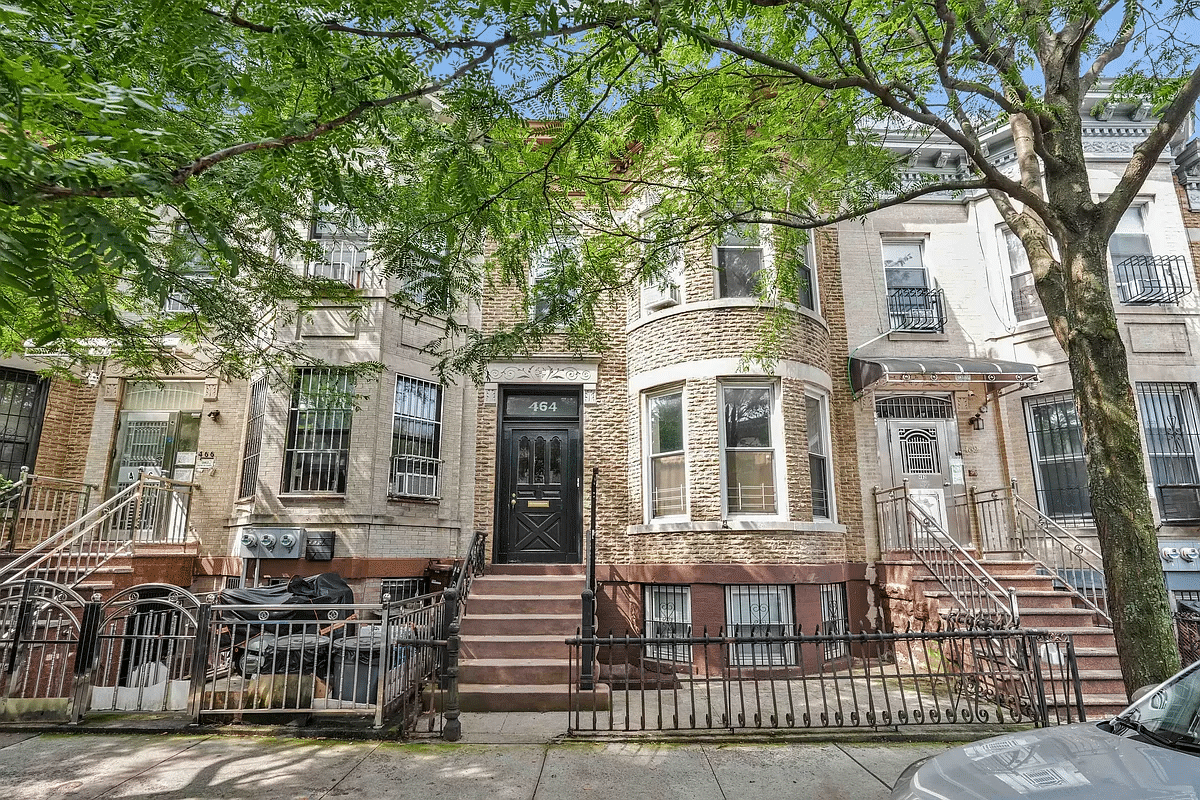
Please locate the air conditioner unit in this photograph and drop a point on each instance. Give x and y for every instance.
(662, 296)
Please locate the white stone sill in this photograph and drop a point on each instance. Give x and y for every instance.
(736, 526)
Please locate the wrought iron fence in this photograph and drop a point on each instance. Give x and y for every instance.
(887, 680)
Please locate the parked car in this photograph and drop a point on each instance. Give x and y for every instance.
(1150, 750)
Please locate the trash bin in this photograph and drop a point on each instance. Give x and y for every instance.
(354, 668)
(297, 654)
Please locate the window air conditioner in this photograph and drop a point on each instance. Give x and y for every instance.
(662, 296)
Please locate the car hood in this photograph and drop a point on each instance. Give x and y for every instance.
(1073, 761)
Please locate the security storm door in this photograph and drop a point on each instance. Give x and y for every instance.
(919, 452)
(539, 481)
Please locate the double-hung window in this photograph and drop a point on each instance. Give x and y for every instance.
(748, 443)
(1141, 276)
(550, 271)
(343, 244)
(668, 464)
(668, 616)
(667, 290)
(318, 442)
(416, 438)
(1056, 443)
(807, 278)
(22, 401)
(914, 304)
(193, 273)
(1025, 301)
(1171, 425)
(818, 457)
(740, 262)
(759, 616)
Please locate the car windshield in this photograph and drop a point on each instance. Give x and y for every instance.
(1170, 713)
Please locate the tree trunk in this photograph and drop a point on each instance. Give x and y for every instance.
(1137, 596)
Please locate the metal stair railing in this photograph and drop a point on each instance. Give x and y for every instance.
(36, 506)
(1010, 523)
(152, 509)
(904, 525)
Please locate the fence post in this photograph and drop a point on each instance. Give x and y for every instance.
(452, 726)
(1033, 661)
(587, 658)
(200, 660)
(385, 658)
(1073, 666)
(86, 651)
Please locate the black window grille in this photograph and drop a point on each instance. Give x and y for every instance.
(1171, 429)
(256, 414)
(761, 612)
(22, 403)
(914, 407)
(835, 618)
(1059, 469)
(318, 443)
(416, 438)
(668, 616)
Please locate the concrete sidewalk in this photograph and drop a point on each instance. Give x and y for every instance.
(498, 764)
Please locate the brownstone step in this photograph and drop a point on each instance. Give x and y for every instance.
(558, 585)
(525, 671)
(533, 569)
(563, 625)
(523, 646)
(523, 604)
(1055, 618)
(1097, 658)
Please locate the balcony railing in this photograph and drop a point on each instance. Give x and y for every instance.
(917, 310)
(1152, 279)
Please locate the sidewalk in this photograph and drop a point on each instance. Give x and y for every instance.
(501, 757)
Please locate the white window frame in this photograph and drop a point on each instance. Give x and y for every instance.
(649, 455)
(826, 440)
(332, 237)
(810, 264)
(660, 294)
(541, 264)
(767, 257)
(776, 448)
(1011, 272)
(652, 618)
(422, 468)
(739, 622)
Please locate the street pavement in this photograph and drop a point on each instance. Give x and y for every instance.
(501, 757)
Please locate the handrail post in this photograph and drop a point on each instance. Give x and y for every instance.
(587, 659)
(452, 727)
(385, 659)
(86, 652)
(200, 660)
(19, 501)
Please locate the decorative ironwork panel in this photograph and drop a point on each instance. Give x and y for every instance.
(919, 451)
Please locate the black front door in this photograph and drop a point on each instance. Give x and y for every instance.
(539, 486)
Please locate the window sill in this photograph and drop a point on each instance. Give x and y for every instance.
(759, 524)
(311, 496)
(918, 336)
(403, 498)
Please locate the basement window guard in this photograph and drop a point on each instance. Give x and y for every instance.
(1171, 431)
(416, 439)
(763, 612)
(1059, 470)
(402, 588)
(318, 441)
(668, 616)
(835, 618)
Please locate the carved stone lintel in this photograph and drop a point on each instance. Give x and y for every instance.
(489, 394)
(542, 372)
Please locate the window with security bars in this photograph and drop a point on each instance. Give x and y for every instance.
(668, 469)
(416, 438)
(914, 407)
(668, 616)
(343, 243)
(835, 618)
(22, 402)
(256, 414)
(318, 441)
(763, 614)
(1056, 446)
(749, 451)
(1171, 429)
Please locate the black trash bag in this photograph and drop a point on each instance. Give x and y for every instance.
(328, 588)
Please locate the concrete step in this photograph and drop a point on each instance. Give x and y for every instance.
(525, 646)
(1097, 658)
(523, 604)
(533, 569)
(529, 584)
(1054, 618)
(551, 697)
(564, 625)
(525, 671)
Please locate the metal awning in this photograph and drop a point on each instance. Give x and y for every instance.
(917, 372)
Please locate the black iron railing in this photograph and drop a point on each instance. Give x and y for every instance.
(885, 680)
(917, 310)
(1152, 279)
(587, 676)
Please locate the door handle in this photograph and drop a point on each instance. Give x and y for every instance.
(513, 503)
